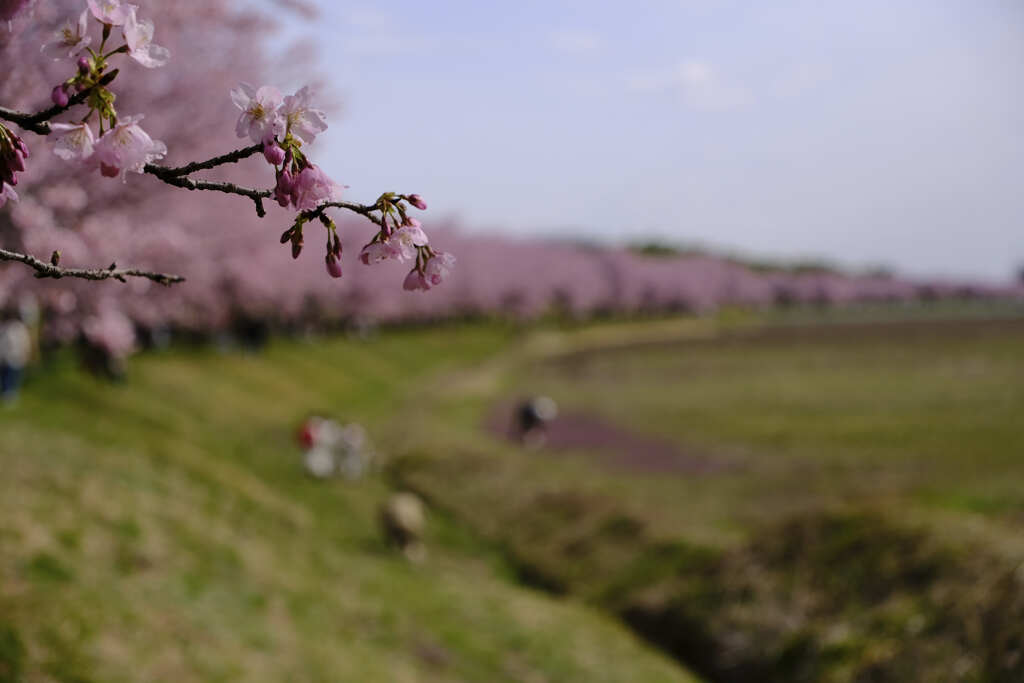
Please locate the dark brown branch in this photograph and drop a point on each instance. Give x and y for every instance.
(257, 196)
(229, 158)
(44, 270)
(365, 210)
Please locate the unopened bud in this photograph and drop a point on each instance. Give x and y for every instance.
(83, 66)
(59, 96)
(283, 190)
(17, 162)
(333, 267)
(417, 201)
(273, 153)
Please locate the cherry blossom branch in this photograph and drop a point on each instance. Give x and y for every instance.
(280, 127)
(38, 122)
(52, 270)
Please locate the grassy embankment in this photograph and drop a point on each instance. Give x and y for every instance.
(163, 529)
(856, 515)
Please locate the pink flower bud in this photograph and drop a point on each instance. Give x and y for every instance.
(59, 96)
(417, 201)
(272, 152)
(83, 66)
(283, 191)
(333, 267)
(17, 162)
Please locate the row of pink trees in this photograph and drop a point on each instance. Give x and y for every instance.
(233, 260)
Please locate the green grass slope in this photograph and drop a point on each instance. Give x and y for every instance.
(864, 524)
(162, 530)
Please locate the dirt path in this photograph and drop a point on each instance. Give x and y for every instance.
(610, 444)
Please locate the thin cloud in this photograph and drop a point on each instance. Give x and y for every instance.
(700, 84)
(575, 41)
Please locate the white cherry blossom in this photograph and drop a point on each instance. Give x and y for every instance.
(70, 39)
(73, 142)
(138, 35)
(111, 12)
(303, 121)
(261, 114)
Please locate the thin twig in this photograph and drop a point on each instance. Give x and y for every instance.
(365, 210)
(45, 270)
(229, 158)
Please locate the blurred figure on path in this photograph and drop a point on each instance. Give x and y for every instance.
(532, 418)
(402, 519)
(15, 348)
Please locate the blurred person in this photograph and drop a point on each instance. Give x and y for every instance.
(331, 449)
(15, 349)
(532, 419)
(402, 519)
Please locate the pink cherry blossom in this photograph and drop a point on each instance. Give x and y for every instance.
(126, 147)
(111, 12)
(303, 121)
(7, 193)
(261, 116)
(70, 39)
(312, 187)
(414, 280)
(406, 239)
(377, 252)
(438, 268)
(138, 35)
(73, 142)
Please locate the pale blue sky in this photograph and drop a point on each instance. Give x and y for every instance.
(869, 132)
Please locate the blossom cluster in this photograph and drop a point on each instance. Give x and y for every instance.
(122, 145)
(401, 238)
(13, 152)
(283, 125)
